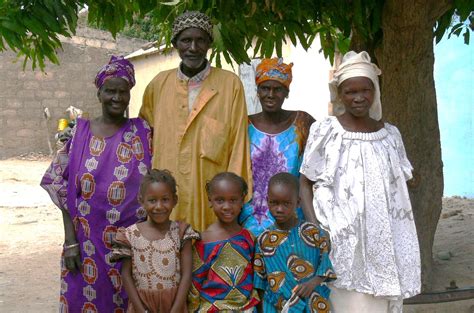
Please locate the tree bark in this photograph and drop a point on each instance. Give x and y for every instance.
(359, 43)
(409, 101)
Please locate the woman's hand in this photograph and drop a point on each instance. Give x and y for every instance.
(186, 277)
(72, 251)
(306, 195)
(304, 290)
(72, 257)
(129, 286)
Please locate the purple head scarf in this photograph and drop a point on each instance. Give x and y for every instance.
(117, 67)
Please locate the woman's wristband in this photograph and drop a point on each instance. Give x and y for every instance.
(67, 247)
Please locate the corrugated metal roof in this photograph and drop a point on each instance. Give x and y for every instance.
(147, 49)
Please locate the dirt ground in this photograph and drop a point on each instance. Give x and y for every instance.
(31, 235)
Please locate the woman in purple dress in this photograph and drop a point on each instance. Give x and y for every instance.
(94, 180)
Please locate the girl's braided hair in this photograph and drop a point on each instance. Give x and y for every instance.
(227, 176)
(158, 176)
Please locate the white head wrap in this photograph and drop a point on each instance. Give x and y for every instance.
(356, 65)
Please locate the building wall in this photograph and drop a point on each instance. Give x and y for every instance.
(25, 94)
(146, 68)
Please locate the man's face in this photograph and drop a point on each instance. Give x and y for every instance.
(192, 45)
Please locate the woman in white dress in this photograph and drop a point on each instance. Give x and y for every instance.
(353, 183)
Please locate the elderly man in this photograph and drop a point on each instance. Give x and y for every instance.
(199, 117)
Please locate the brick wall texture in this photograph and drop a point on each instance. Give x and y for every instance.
(25, 94)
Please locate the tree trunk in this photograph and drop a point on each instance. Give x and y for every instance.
(360, 43)
(409, 101)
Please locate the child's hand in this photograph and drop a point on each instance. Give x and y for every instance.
(304, 290)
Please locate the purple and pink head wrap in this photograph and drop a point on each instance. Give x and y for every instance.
(117, 67)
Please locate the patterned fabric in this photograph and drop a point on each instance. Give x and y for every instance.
(284, 259)
(192, 19)
(117, 67)
(274, 69)
(96, 180)
(156, 266)
(272, 154)
(223, 275)
(361, 198)
(194, 83)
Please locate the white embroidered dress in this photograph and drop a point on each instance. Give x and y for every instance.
(361, 198)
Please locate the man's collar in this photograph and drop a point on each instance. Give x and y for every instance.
(199, 77)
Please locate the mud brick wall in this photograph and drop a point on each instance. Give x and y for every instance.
(25, 94)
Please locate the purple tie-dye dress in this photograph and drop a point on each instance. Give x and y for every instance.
(96, 180)
(272, 154)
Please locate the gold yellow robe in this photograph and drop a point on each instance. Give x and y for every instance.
(196, 145)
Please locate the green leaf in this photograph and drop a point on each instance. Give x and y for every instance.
(278, 48)
(267, 48)
(170, 3)
(13, 42)
(228, 59)
(442, 25)
(466, 36)
(358, 14)
(301, 38)
(343, 43)
(71, 16)
(49, 20)
(25, 61)
(377, 16)
(40, 57)
(456, 26)
(216, 32)
(35, 27)
(291, 33)
(457, 32)
(311, 39)
(258, 45)
(13, 26)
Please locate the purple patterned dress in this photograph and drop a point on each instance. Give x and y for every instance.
(272, 154)
(96, 180)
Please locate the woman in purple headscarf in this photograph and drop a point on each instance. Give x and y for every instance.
(94, 180)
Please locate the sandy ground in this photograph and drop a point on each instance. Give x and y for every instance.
(31, 235)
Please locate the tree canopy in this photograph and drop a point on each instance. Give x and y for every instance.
(32, 28)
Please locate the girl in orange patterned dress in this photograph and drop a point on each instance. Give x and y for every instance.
(156, 254)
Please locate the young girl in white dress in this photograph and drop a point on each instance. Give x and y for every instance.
(353, 183)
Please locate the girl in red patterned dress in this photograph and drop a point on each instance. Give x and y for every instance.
(222, 278)
(156, 254)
